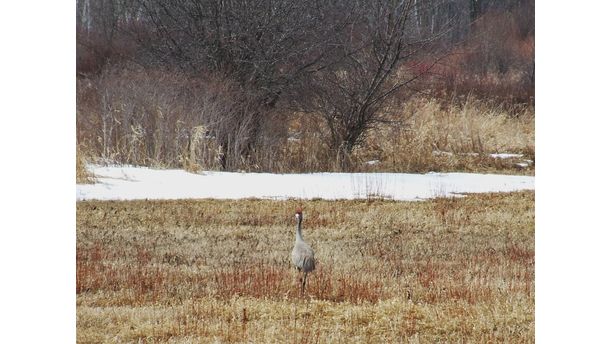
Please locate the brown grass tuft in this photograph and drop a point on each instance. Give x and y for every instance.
(83, 176)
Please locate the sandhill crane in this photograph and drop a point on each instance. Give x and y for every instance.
(302, 255)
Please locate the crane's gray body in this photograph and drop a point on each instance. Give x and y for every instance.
(302, 255)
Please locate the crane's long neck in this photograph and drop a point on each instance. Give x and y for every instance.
(298, 231)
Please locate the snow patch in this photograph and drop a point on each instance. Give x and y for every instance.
(505, 155)
(492, 155)
(129, 182)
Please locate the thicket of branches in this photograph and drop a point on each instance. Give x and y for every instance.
(215, 82)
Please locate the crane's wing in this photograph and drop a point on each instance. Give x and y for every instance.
(303, 257)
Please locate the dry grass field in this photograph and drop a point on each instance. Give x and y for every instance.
(207, 271)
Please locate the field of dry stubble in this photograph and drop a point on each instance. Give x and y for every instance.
(191, 271)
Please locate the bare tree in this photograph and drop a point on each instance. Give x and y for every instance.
(345, 61)
(354, 92)
(263, 46)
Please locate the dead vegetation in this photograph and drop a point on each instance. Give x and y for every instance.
(445, 270)
(159, 86)
(141, 122)
(432, 136)
(83, 175)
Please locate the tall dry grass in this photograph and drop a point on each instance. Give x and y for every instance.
(427, 135)
(430, 136)
(83, 175)
(157, 118)
(445, 270)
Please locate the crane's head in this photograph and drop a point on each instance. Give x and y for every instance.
(298, 214)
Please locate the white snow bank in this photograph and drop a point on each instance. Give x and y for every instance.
(505, 155)
(492, 155)
(126, 183)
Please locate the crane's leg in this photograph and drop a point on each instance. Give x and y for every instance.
(304, 282)
(299, 275)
